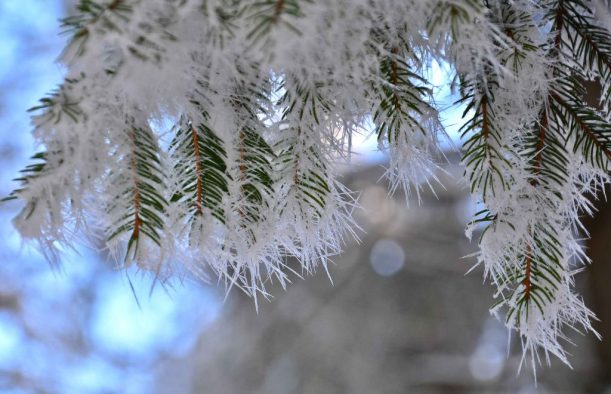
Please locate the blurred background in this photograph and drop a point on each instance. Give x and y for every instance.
(401, 316)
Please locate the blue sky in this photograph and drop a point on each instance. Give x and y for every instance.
(86, 303)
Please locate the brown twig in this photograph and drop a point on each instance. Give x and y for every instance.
(198, 169)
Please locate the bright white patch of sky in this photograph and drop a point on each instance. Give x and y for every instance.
(126, 329)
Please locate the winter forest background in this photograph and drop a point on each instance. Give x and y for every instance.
(399, 317)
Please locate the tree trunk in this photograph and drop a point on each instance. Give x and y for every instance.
(599, 285)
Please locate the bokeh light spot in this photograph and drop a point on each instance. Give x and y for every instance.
(387, 257)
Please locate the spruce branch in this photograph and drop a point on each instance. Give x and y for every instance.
(403, 100)
(591, 133)
(269, 13)
(406, 124)
(301, 154)
(589, 43)
(315, 205)
(484, 151)
(51, 111)
(93, 15)
(137, 205)
(201, 162)
(29, 174)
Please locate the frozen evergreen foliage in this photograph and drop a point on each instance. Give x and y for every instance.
(265, 95)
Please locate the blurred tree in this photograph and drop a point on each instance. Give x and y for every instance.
(598, 284)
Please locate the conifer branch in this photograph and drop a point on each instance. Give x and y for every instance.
(92, 15)
(140, 182)
(200, 158)
(594, 128)
(591, 45)
(269, 13)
